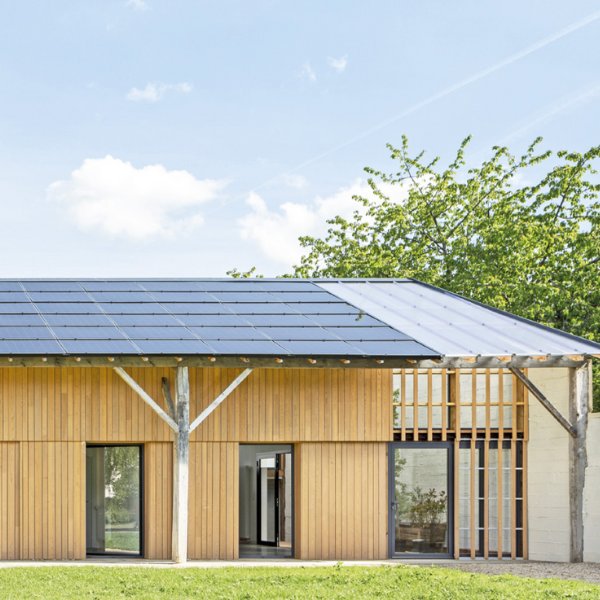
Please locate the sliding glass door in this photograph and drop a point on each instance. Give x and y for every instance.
(420, 499)
(113, 500)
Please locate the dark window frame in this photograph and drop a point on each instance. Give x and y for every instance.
(141, 553)
(449, 446)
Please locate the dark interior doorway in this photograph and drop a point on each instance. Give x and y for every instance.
(266, 501)
(114, 500)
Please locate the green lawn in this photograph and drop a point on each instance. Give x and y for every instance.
(282, 582)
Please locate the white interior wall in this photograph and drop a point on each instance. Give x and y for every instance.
(548, 470)
(591, 493)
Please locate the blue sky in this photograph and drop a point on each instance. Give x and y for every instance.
(155, 138)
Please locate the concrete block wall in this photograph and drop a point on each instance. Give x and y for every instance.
(591, 494)
(548, 470)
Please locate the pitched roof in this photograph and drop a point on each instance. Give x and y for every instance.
(261, 317)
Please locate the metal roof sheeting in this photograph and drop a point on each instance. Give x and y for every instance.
(452, 325)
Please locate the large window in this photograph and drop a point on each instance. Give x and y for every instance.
(421, 499)
(113, 500)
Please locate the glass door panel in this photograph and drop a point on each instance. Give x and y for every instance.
(420, 500)
(113, 500)
(267, 501)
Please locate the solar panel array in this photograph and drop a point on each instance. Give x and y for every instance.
(190, 317)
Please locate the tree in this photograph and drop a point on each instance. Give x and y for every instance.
(519, 233)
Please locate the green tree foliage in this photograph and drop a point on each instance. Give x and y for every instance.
(517, 232)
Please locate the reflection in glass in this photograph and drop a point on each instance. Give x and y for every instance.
(421, 500)
(113, 500)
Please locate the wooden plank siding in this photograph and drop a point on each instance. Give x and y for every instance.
(341, 501)
(214, 501)
(10, 530)
(158, 499)
(48, 414)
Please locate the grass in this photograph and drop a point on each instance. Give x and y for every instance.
(128, 541)
(99, 583)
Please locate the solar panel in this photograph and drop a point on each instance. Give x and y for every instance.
(17, 308)
(30, 347)
(158, 333)
(189, 296)
(83, 320)
(170, 286)
(66, 308)
(120, 296)
(225, 320)
(228, 333)
(183, 308)
(367, 333)
(297, 333)
(13, 296)
(51, 286)
(281, 320)
(310, 348)
(237, 347)
(99, 347)
(400, 348)
(125, 308)
(9, 320)
(156, 319)
(25, 333)
(108, 286)
(10, 286)
(88, 333)
(59, 296)
(174, 347)
(349, 320)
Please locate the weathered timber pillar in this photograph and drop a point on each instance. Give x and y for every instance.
(181, 456)
(579, 400)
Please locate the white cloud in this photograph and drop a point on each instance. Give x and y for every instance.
(140, 5)
(338, 64)
(308, 73)
(295, 181)
(112, 196)
(154, 91)
(276, 231)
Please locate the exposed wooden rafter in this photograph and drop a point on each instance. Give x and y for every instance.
(270, 362)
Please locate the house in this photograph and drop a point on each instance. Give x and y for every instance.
(316, 419)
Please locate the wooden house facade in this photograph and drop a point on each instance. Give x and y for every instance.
(390, 447)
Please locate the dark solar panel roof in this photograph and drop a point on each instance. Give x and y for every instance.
(257, 317)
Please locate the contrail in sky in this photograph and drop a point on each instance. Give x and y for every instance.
(509, 60)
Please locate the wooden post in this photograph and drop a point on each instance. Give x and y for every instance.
(579, 400)
(181, 466)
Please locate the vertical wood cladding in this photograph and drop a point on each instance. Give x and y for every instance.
(272, 405)
(10, 531)
(341, 501)
(213, 531)
(158, 500)
(47, 415)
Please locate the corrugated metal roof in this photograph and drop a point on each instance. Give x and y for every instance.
(452, 325)
(191, 317)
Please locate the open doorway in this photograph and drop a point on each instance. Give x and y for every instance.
(114, 500)
(266, 501)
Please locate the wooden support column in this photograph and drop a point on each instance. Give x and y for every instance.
(579, 405)
(181, 466)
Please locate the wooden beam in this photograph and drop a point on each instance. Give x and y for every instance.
(454, 362)
(579, 406)
(166, 390)
(133, 384)
(215, 403)
(181, 467)
(571, 430)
